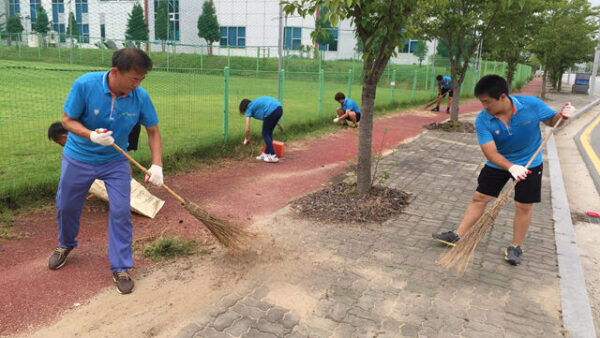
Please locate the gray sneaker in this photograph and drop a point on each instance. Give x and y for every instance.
(449, 238)
(123, 281)
(59, 257)
(513, 254)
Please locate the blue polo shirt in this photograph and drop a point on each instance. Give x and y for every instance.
(446, 83)
(350, 105)
(262, 107)
(91, 102)
(518, 140)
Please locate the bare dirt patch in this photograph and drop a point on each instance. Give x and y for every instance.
(341, 203)
(452, 126)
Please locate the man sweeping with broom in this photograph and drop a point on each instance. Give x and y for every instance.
(508, 131)
(101, 110)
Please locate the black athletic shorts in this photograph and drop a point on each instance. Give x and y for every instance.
(449, 91)
(492, 180)
(134, 137)
(357, 117)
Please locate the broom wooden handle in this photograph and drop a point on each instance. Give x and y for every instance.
(179, 198)
(546, 138)
(432, 102)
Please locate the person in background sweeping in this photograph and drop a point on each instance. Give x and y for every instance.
(349, 111)
(268, 110)
(444, 84)
(508, 131)
(102, 108)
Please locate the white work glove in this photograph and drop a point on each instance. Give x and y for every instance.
(102, 136)
(567, 111)
(246, 142)
(157, 176)
(518, 172)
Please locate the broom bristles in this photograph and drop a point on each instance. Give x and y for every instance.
(462, 253)
(230, 235)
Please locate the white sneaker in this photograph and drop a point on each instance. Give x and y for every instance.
(271, 158)
(262, 156)
(335, 120)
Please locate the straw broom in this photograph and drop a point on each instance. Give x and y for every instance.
(461, 255)
(228, 234)
(430, 103)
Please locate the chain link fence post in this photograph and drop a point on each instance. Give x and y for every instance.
(226, 104)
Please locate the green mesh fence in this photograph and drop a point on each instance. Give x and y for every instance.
(195, 94)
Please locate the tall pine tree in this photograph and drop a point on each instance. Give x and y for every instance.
(72, 27)
(208, 26)
(161, 22)
(137, 29)
(14, 27)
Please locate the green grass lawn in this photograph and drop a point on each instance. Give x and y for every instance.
(190, 107)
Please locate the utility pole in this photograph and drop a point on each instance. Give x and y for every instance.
(594, 72)
(280, 48)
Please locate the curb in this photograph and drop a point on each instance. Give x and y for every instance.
(581, 111)
(576, 310)
(588, 162)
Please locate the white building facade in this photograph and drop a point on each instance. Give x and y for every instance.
(245, 26)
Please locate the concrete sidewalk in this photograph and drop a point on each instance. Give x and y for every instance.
(384, 281)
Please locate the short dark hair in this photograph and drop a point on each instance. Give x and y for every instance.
(439, 78)
(127, 58)
(340, 96)
(56, 130)
(492, 85)
(244, 105)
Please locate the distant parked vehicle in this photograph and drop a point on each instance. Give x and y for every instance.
(582, 83)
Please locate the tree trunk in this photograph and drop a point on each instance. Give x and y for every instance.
(455, 89)
(511, 66)
(560, 76)
(210, 51)
(544, 84)
(365, 141)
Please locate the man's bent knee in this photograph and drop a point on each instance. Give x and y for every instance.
(481, 198)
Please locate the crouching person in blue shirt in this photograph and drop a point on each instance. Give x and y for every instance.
(102, 108)
(268, 110)
(348, 112)
(508, 131)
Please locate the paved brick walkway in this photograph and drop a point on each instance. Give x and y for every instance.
(384, 281)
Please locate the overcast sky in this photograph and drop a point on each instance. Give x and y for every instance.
(594, 2)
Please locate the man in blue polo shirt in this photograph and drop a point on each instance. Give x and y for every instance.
(444, 84)
(268, 110)
(102, 109)
(349, 110)
(508, 131)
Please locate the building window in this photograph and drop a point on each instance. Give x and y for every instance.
(84, 32)
(233, 37)
(410, 46)
(103, 31)
(332, 47)
(34, 6)
(173, 9)
(81, 7)
(60, 29)
(58, 6)
(13, 7)
(292, 37)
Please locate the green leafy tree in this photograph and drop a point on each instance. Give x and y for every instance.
(41, 25)
(161, 23)
(208, 26)
(137, 29)
(381, 26)
(565, 38)
(72, 27)
(14, 27)
(460, 25)
(421, 51)
(517, 25)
